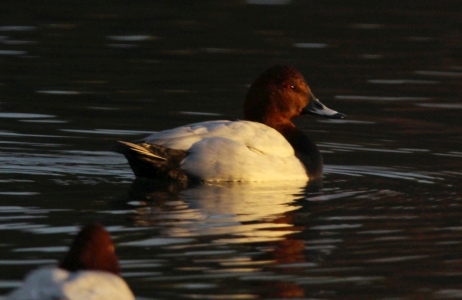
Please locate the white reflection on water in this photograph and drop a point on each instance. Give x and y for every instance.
(59, 163)
(421, 38)
(310, 45)
(367, 26)
(380, 98)
(102, 108)
(450, 154)
(218, 50)
(123, 46)
(19, 226)
(234, 213)
(58, 92)
(269, 2)
(29, 144)
(14, 134)
(13, 262)
(158, 242)
(130, 38)
(43, 121)
(371, 56)
(338, 195)
(439, 74)
(336, 227)
(32, 118)
(42, 249)
(19, 193)
(108, 131)
(12, 52)
(449, 294)
(199, 113)
(344, 121)
(396, 259)
(381, 172)
(244, 201)
(17, 28)
(19, 42)
(441, 105)
(352, 147)
(13, 115)
(401, 81)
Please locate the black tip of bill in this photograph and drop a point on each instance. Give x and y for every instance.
(337, 116)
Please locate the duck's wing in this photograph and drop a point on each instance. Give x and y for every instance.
(183, 137)
(252, 134)
(153, 161)
(145, 150)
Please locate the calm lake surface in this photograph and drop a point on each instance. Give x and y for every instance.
(386, 223)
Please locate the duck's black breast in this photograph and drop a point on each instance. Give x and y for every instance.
(307, 152)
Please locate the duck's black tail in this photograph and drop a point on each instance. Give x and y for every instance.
(153, 161)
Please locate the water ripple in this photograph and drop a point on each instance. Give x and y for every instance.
(381, 172)
(58, 163)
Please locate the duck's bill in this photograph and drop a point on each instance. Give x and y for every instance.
(315, 107)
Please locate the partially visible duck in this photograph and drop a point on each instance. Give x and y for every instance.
(265, 146)
(89, 271)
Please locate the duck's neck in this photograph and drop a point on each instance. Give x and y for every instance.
(304, 148)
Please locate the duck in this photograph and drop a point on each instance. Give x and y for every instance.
(264, 146)
(90, 270)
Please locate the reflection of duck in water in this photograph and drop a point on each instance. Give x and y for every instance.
(265, 147)
(237, 212)
(258, 217)
(89, 271)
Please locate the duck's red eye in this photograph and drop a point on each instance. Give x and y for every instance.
(291, 86)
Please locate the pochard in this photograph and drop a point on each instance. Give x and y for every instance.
(265, 146)
(89, 271)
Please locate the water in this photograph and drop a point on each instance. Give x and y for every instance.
(386, 223)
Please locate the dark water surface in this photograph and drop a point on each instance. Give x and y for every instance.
(386, 222)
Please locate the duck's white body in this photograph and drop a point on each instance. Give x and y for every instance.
(233, 151)
(51, 283)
